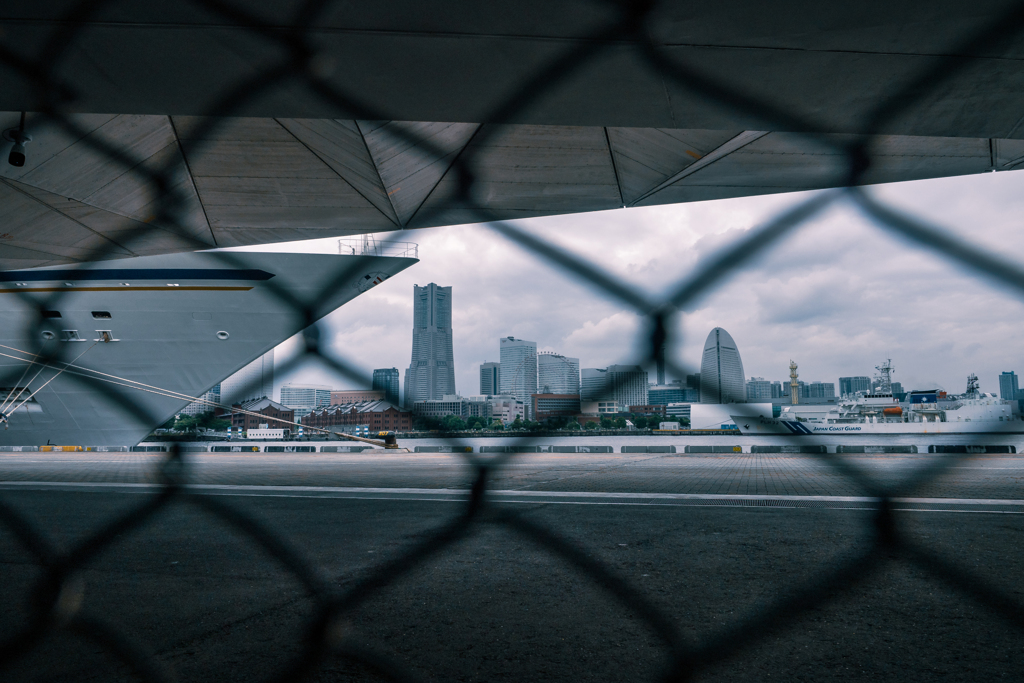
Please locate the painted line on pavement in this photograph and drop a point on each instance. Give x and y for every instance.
(511, 496)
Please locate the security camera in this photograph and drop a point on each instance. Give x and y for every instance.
(19, 138)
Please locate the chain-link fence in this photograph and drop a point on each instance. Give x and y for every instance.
(57, 600)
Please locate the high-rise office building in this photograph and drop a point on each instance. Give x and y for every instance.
(777, 391)
(849, 386)
(557, 374)
(759, 390)
(624, 385)
(801, 388)
(1008, 386)
(897, 388)
(821, 390)
(305, 398)
(386, 380)
(721, 370)
(203, 404)
(593, 385)
(628, 384)
(431, 373)
(490, 379)
(519, 370)
(255, 380)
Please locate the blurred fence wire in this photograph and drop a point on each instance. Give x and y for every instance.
(57, 599)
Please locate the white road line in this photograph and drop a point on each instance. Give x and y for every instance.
(579, 497)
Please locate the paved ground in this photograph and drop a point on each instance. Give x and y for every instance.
(984, 476)
(496, 606)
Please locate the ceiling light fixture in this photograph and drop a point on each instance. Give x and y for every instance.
(19, 138)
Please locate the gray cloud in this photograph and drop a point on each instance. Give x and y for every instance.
(839, 295)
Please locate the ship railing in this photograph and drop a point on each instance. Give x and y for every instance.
(368, 245)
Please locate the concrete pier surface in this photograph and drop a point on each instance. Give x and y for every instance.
(711, 540)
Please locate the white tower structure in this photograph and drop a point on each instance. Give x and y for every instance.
(721, 370)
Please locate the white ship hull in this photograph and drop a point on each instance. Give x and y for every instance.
(776, 426)
(177, 323)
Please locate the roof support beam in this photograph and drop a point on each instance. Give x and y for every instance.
(720, 152)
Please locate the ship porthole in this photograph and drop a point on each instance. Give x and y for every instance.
(222, 335)
(48, 335)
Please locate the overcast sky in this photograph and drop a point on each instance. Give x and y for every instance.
(838, 296)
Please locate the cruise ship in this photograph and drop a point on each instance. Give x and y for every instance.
(924, 412)
(102, 353)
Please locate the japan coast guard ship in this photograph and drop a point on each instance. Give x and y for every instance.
(925, 412)
(102, 353)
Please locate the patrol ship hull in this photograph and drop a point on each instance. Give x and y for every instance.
(777, 426)
(143, 335)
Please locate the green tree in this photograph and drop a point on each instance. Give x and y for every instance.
(620, 423)
(427, 424)
(590, 425)
(217, 423)
(453, 423)
(187, 423)
(606, 423)
(517, 424)
(497, 426)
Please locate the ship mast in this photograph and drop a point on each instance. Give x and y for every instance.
(972, 386)
(884, 376)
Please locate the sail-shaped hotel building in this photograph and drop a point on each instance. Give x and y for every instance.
(721, 370)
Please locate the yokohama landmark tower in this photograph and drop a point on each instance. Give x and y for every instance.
(431, 374)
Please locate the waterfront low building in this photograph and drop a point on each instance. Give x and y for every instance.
(679, 410)
(264, 431)
(600, 408)
(347, 396)
(658, 410)
(378, 415)
(443, 407)
(546, 406)
(262, 411)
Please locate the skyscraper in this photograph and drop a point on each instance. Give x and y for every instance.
(625, 385)
(594, 385)
(431, 373)
(519, 369)
(1008, 386)
(255, 380)
(490, 379)
(759, 390)
(628, 384)
(203, 404)
(851, 385)
(386, 380)
(557, 374)
(821, 390)
(721, 370)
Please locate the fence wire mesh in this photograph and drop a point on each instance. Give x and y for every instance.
(57, 598)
